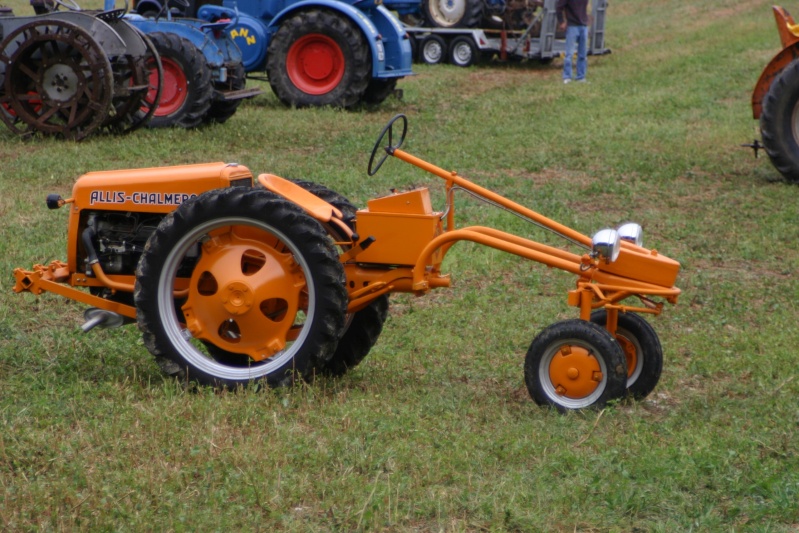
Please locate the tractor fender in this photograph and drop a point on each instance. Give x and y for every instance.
(784, 58)
(106, 36)
(248, 33)
(369, 30)
(217, 47)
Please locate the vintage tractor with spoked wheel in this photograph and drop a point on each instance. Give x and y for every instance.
(234, 280)
(72, 73)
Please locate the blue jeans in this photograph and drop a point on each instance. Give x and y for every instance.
(579, 35)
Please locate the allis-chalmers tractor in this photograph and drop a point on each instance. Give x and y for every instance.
(775, 101)
(235, 280)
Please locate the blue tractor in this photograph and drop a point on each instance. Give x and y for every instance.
(312, 52)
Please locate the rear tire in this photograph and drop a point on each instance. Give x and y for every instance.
(363, 327)
(318, 58)
(186, 89)
(264, 296)
(378, 90)
(779, 122)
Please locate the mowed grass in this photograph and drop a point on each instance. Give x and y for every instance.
(435, 431)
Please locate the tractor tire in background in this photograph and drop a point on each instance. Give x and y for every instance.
(453, 13)
(779, 122)
(319, 58)
(363, 327)
(186, 88)
(56, 80)
(378, 90)
(221, 110)
(261, 295)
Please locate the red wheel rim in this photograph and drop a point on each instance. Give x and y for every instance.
(315, 64)
(173, 90)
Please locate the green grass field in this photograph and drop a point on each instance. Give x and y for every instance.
(435, 430)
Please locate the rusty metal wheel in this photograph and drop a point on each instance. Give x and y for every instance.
(137, 90)
(57, 80)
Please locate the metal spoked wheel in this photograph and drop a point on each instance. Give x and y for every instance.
(58, 80)
(575, 364)
(239, 285)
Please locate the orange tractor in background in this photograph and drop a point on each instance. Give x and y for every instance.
(775, 101)
(233, 279)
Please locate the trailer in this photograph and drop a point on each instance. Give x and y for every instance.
(539, 40)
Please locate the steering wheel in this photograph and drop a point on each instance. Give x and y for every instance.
(390, 147)
(69, 5)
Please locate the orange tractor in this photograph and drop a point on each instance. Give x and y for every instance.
(233, 279)
(775, 101)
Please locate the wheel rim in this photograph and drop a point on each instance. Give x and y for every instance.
(315, 64)
(632, 350)
(247, 295)
(571, 375)
(447, 12)
(433, 51)
(462, 54)
(174, 88)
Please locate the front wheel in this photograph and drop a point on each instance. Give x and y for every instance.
(238, 285)
(641, 348)
(318, 58)
(779, 122)
(574, 364)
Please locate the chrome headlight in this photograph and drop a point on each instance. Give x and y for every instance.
(606, 244)
(631, 232)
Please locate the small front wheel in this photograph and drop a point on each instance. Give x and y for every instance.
(574, 364)
(641, 348)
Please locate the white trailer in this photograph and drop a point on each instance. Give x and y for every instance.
(467, 46)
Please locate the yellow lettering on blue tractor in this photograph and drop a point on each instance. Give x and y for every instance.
(243, 33)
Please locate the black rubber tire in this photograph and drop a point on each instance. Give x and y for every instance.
(595, 344)
(180, 54)
(779, 122)
(332, 27)
(433, 50)
(378, 90)
(221, 110)
(645, 359)
(463, 52)
(362, 328)
(468, 14)
(162, 319)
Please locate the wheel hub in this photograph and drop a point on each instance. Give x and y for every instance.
(237, 298)
(60, 83)
(574, 372)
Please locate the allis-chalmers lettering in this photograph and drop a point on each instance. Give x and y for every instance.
(138, 198)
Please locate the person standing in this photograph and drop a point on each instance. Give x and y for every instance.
(573, 16)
